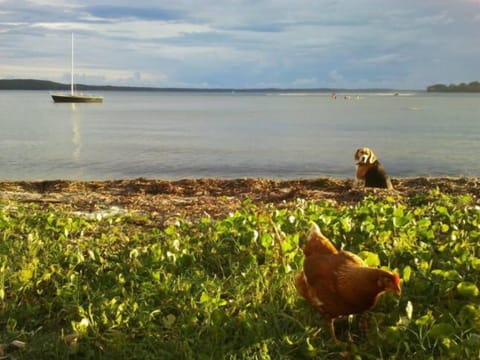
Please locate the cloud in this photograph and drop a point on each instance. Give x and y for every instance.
(382, 59)
(244, 42)
(437, 19)
(306, 83)
(131, 29)
(69, 26)
(63, 4)
(131, 12)
(336, 76)
(120, 77)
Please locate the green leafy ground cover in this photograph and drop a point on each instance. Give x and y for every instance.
(120, 287)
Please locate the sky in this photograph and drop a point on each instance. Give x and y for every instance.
(401, 44)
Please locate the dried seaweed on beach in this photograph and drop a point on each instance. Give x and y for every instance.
(195, 198)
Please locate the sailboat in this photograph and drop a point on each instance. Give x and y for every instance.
(73, 96)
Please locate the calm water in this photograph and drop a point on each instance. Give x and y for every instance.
(189, 135)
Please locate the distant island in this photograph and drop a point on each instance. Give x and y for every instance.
(32, 84)
(463, 87)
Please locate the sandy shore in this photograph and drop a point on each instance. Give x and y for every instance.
(210, 197)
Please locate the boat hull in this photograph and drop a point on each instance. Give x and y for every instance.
(66, 98)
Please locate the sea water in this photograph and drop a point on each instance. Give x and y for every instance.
(174, 135)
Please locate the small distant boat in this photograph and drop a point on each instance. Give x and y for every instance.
(73, 96)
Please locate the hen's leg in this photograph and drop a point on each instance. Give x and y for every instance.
(350, 321)
(332, 330)
(363, 324)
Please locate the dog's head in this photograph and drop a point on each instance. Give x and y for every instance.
(364, 156)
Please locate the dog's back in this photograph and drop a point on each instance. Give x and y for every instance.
(377, 177)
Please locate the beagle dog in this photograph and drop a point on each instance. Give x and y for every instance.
(370, 170)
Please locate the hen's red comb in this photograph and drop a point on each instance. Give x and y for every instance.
(396, 279)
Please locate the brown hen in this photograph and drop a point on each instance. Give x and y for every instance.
(339, 283)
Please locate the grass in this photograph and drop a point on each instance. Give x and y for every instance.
(119, 287)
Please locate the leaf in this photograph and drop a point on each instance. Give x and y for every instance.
(266, 240)
(310, 347)
(442, 210)
(447, 274)
(346, 224)
(25, 275)
(204, 298)
(289, 243)
(169, 320)
(399, 218)
(467, 289)
(392, 335)
(424, 223)
(441, 330)
(475, 263)
(469, 314)
(424, 320)
(370, 258)
(407, 272)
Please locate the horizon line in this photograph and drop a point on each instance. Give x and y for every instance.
(157, 88)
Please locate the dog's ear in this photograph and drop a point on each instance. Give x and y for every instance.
(356, 155)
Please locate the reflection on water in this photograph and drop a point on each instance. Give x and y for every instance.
(76, 134)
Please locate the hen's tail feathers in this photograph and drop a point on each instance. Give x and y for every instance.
(317, 243)
(301, 285)
(306, 291)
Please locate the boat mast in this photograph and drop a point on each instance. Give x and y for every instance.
(71, 80)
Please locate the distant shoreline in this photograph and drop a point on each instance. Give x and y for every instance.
(43, 85)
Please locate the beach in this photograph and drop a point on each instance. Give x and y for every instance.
(193, 199)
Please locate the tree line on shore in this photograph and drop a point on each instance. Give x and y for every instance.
(462, 87)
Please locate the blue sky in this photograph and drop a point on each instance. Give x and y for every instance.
(403, 44)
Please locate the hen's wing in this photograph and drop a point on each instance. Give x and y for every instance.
(328, 269)
(351, 259)
(326, 284)
(318, 244)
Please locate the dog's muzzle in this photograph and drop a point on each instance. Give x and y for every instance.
(363, 159)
